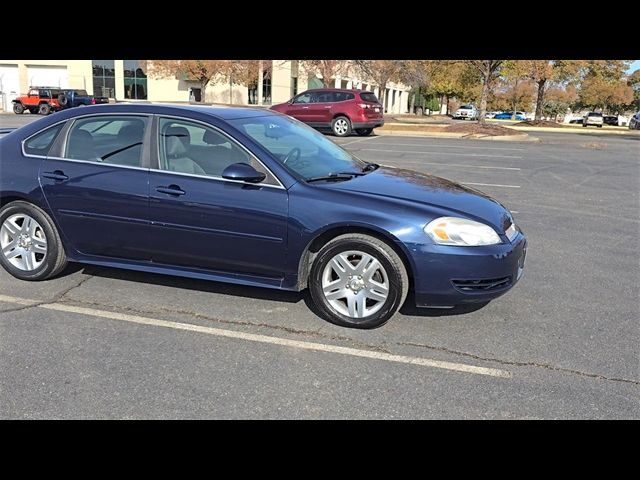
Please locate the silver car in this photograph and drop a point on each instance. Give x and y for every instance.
(593, 118)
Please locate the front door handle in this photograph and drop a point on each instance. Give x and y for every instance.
(171, 190)
(56, 175)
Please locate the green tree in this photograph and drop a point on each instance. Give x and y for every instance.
(544, 72)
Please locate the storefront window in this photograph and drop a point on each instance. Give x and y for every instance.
(135, 79)
(104, 78)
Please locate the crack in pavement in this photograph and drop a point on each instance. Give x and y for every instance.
(202, 316)
(522, 364)
(56, 299)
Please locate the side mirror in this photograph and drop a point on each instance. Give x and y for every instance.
(243, 172)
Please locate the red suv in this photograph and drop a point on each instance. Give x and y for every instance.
(341, 110)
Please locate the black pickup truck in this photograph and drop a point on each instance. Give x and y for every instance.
(69, 98)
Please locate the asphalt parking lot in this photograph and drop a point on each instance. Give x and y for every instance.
(564, 343)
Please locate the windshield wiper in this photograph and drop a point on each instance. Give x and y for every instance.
(335, 176)
(370, 167)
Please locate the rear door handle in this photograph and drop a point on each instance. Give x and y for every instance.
(171, 190)
(56, 175)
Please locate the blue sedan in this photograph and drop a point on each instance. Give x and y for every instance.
(251, 197)
(507, 116)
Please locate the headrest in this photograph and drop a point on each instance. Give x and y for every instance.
(131, 133)
(212, 138)
(175, 146)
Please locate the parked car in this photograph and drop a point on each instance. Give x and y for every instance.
(634, 122)
(490, 114)
(70, 98)
(610, 120)
(466, 112)
(507, 116)
(42, 100)
(247, 196)
(341, 110)
(592, 118)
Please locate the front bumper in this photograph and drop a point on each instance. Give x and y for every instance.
(446, 276)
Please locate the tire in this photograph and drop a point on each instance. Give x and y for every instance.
(52, 261)
(364, 132)
(44, 109)
(63, 100)
(323, 270)
(33, 110)
(18, 108)
(341, 126)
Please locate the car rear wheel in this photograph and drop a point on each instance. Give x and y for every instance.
(341, 126)
(44, 109)
(18, 108)
(358, 281)
(363, 132)
(30, 247)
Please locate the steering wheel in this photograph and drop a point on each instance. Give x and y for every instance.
(294, 155)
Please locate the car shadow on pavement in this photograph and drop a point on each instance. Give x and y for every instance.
(193, 284)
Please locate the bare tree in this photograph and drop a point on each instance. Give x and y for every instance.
(489, 71)
(327, 69)
(201, 71)
(380, 71)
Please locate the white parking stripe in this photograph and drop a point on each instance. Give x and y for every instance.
(468, 166)
(440, 153)
(356, 141)
(474, 147)
(252, 337)
(490, 185)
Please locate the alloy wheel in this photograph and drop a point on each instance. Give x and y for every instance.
(23, 242)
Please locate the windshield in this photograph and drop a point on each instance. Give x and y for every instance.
(595, 114)
(299, 147)
(466, 107)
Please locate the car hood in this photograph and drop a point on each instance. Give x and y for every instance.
(429, 190)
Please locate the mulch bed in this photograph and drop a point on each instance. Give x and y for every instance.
(480, 129)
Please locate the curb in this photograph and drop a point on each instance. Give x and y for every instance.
(521, 137)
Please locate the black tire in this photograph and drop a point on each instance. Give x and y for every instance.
(364, 132)
(388, 258)
(63, 100)
(33, 110)
(55, 260)
(18, 108)
(339, 128)
(44, 109)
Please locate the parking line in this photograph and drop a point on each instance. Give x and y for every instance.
(252, 337)
(490, 185)
(356, 141)
(447, 146)
(441, 153)
(469, 166)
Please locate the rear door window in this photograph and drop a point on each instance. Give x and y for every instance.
(108, 139)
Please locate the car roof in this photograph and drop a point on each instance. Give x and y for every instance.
(219, 111)
(349, 90)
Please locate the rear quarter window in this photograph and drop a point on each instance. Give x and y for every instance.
(40, 143)
(369, 97)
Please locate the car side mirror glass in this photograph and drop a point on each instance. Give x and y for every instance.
(243, 172)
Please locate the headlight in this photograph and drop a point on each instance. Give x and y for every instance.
(460, 231)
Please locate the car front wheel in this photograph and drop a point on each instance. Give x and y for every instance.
(18, 108)
(358, 281)
(341, 126)
(30, 247)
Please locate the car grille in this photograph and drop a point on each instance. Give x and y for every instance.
(482, 285)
